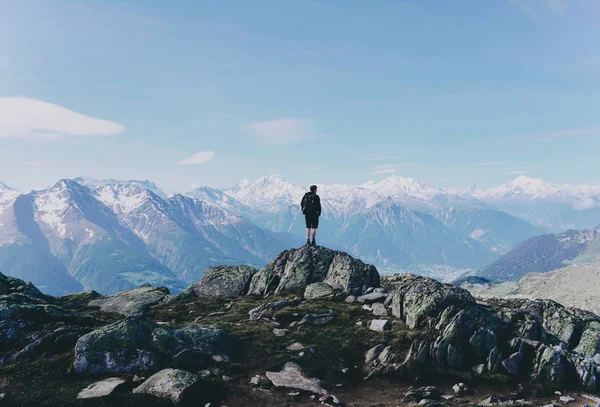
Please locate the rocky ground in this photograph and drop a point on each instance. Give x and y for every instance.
(314, 327)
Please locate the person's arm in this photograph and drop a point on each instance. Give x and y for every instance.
(302, 203)
(318, 206)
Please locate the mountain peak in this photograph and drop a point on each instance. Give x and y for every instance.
(4, 187)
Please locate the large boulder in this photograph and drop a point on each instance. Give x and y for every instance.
(137, 344)
(174, 384)
(295, 269)
(131, 302)
(123, 347)
(417, 298)
(223, 281)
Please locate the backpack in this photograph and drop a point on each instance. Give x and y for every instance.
(310, 206)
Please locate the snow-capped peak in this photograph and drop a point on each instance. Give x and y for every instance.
(94, 183)
(5, 188)
(123, 198)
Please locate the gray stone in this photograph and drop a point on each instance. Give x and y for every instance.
(380, 325)
(295, 346)
(373, 354)
(131, 302)
(379, 310)
(101, 389)
(268, 310)
(292, 377)
(223, 281)
(174, 384)
(351, 299)
(567, 399)
(318, 291)
(279, 332)
(372, 298)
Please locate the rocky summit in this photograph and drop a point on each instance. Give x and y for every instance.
(312, 327)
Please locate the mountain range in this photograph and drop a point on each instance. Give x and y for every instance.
(111, 235)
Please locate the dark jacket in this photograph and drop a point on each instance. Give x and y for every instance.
(315, 209)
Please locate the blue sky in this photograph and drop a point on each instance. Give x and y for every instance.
(208, 93)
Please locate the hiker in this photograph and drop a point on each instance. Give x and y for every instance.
(311, 208)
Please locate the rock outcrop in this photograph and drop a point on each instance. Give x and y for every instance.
(10, 285)
(295, 269)
(515, 337)
(223, 281)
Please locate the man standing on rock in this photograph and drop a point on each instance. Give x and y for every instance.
(311, 208)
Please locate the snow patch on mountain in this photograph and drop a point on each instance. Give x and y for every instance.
(94, 183)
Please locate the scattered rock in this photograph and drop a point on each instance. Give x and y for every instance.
(291, 376)
(259, 380)
(380, 325)
(279, 332)
(567, 399)
(101, 389)
(351, 299)
(461, 389)
(177, 385)
(418, 394)
(372, 298)
(295, 346)
(379, 310)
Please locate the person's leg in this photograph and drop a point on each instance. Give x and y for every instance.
(307, 235)
(314, 236)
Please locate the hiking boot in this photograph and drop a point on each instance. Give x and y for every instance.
(308, 242)
(313, 243)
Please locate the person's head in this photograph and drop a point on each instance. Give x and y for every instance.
(313, 189)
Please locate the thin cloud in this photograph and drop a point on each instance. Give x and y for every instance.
(491, 163)
(37, 164)
(564, 133)
(37, 120)
(313, 170)
(280, 131)
(380, 157)
(516, 172)
(385, 169)
(198, 158)
(582, 162)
